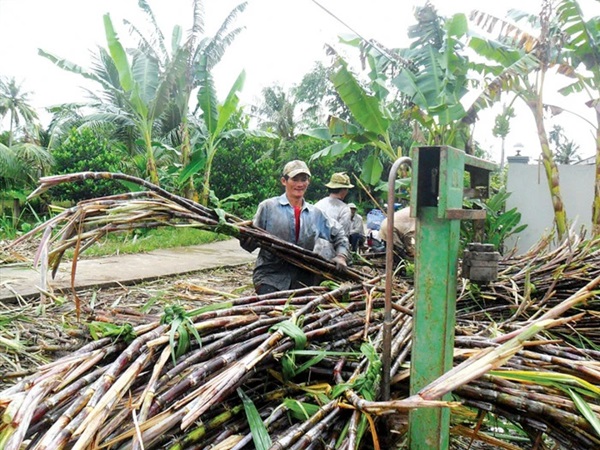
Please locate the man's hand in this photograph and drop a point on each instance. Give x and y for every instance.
(248, 243)
(340, 262)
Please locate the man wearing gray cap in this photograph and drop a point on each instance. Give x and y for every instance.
(292, 219)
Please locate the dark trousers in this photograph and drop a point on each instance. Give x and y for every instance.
(356, 240)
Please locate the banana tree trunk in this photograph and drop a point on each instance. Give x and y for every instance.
(596, 205)
(16, 212)
(560, 216)
(188, 188)
(206, 182)
(151, 170)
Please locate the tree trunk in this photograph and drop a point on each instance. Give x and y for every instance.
(188, 188)
(560, 217)
(151, 170)
(16, 212)
(596, 204)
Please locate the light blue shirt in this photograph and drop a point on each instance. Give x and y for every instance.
(276, 216)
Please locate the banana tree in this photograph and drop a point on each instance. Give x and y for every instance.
(437, 80)
(431, 78)
(138, 94)
(583, 50)
(181, 64)
(372, 125)
(212, 127)
(523, 63)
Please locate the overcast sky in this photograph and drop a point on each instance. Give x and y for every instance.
(281, 42)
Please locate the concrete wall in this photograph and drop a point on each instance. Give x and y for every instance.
(528, 186)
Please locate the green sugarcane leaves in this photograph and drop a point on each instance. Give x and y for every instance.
(260, 435)
(570, 384)
(100, 330)
(292, 330)
(182, 329)
(585, 410)
(300, 410)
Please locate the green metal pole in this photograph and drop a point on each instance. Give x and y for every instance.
(437, 242)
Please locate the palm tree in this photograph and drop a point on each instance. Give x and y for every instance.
(150, 90)
(502, 128)
(277, 112)
(22, 159)
(15, 102)
(183, 65)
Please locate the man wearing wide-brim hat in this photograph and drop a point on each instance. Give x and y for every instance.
(336, 209)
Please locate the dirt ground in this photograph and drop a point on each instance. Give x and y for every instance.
(32, 333)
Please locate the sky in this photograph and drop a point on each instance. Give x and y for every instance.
(281, 42)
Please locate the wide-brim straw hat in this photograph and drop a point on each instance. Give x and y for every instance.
(339, 181)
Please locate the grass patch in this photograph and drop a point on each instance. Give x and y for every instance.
(141, 241)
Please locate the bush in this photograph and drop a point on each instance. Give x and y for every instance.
(253, 165)
(245, 166)
(84, 150)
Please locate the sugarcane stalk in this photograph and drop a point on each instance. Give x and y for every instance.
(21, 420)
(95, 418)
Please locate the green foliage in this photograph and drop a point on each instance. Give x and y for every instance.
(245, 165)
(181, 330)
(139, 241)
(499, 224)
(565, 149)
(85, 150)
(260, 435)
(100, 330)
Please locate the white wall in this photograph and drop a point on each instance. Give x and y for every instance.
(530, 194)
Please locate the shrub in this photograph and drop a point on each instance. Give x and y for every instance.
(85, 150)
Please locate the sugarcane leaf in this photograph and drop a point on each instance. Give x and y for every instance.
(209, 308)
(192, 329)
(260, 435)
(362, 428)
(300, 410)
(292, 330)
(172, 332)
(339, 389)
(183, 341)
(561, 381)
(585, 409)
(311, 362)
(288, 364)
(99, 330)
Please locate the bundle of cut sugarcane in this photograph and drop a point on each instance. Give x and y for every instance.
(157, 391)
(82, 225)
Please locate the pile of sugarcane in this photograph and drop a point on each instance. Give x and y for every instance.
(178, 381)
(301, 369)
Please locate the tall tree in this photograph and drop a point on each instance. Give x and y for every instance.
(583, 50)
(183, 65)
(22, 159)
(502, 128)
(524, 64)
(14, 102)
(277, 112)
(148, 88)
